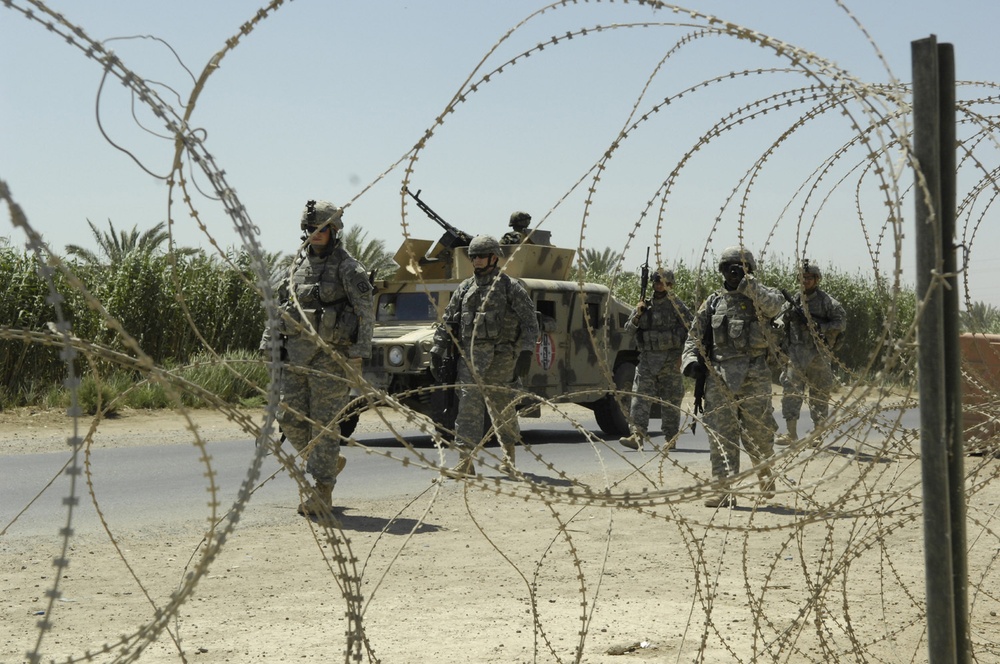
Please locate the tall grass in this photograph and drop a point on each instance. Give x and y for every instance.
(182, 310)
(875, 315)
(174, 310)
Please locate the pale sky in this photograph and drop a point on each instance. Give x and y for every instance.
(324, 96)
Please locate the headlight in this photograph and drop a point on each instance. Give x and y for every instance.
(396, 355)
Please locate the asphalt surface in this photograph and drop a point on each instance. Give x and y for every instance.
(169, 484)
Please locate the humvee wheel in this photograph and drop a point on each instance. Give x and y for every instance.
(348, 426)
(609, 414)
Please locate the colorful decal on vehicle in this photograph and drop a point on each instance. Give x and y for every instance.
(545, 351)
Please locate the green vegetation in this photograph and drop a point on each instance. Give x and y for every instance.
(868, 303)
(200, 317)
(179, 310)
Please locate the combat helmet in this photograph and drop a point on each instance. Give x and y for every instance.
(811, 268)
(322, 213)
(666, 275)
(484, 245)
(519, 219)
(737, 255)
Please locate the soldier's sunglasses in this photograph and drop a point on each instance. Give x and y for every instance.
(313, 229)
(473, 257)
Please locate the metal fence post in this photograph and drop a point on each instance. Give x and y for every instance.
(938, 357)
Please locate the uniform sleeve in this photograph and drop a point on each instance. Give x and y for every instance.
(281, 294)
(632, 324)
(768, 301)
(684, 315)
(524, 308)
(359, 293)
(442, 338)
(692, 349)
(837, 317)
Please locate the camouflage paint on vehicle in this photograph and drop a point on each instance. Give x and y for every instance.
(582, 330)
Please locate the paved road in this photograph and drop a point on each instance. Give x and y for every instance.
(164, 485)
(167, 483)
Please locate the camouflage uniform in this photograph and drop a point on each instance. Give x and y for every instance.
(496, 322)
(738, 389)
(661, 330)
(809, 354)
(329, 294)
(519, 223)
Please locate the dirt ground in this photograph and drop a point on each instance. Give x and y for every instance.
(633, 568)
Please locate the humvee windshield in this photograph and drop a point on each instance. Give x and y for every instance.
(407, 307)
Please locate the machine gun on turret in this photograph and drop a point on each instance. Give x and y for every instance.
(453, 237)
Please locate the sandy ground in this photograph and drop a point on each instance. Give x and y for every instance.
(830, 570)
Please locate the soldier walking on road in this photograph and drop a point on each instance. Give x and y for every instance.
(493, 319)
(326, 323)
(814, 323)
(661, 326)
(729, 341)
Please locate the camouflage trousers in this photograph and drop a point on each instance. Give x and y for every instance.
(319, 390)
(743, 415)
(658, 375)
(816, 377)
(495, 371)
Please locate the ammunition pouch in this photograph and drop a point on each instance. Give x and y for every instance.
(337, 323)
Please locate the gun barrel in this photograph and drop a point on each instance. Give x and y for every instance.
(457, 238)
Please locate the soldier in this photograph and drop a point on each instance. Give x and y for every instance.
(519, 222)
(731, 328)
(327, 321)
(661, 325)
(814, 323)
(493, 319)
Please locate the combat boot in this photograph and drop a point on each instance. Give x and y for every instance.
(465, 468)
(320, 502)
(670, 442)
(793, 433)
(766, 483)
(721, 500)
(633, 442)
(507, 465)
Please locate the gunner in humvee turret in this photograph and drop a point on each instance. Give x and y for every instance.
(520, 234)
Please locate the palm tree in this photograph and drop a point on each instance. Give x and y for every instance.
(598, 262)
(115, 246)
(980, 317)
(372, 255)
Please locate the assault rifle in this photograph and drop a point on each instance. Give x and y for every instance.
(453, 237)
(812, 321)
(707, 347)
(644, 279)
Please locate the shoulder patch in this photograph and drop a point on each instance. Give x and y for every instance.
(362, 285)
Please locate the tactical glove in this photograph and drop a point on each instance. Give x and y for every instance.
(694, 370)
(437, 361)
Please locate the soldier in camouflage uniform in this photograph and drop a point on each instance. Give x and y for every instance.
(493, 320)
(813, 325)
(327, 322)
(519, 222)
(661, 325)
(732, 328)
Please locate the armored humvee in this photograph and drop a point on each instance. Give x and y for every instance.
(566, 366)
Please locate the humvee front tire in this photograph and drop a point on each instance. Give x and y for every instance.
(610, 417)
(348, 426)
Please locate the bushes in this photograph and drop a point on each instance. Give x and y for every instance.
(875, 316)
